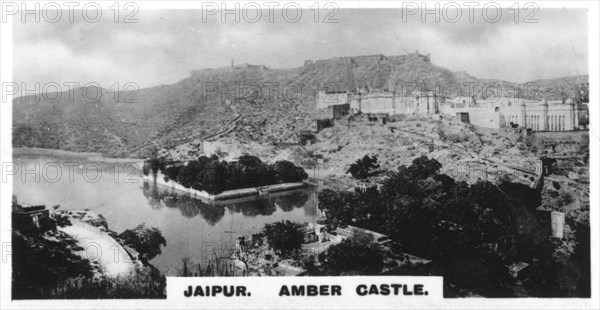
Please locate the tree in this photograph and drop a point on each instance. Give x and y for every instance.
(581, 93)
(172, 171)
(423, 167)
(253, 170)
(152, 165)
(214, 176)
(358, 254)
(235, 177)
(363, 167)
(187, 174)
(286, 172)
(284, 237)
(336, 206)
(147, 241)
(40, 265)
(249, 161)
(453, 221)
(214, 180)
(262, 175)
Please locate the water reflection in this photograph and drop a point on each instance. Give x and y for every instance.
(189, 207)
(159, 197)
(191, 227)
(291, 201)
(253, 208)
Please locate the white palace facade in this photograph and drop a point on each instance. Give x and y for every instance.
(538, 115)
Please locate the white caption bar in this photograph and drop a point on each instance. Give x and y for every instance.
(306, 292)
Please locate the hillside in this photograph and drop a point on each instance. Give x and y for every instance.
(564, 87)
(209, 100)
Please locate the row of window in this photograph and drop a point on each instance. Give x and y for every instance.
(555, 122)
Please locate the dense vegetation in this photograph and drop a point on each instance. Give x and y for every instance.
(470, 232)
(214, 176)
(40, 265)
(284, 237)
(358, 254)
(45, 266)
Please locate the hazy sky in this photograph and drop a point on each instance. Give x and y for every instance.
(164, 46)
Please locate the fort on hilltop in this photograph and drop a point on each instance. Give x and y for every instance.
(380, 59)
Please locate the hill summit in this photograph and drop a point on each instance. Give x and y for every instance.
(208, 101)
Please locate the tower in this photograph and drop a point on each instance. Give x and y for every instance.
(545, 114)
(231, 62)
(573, 123)
(523, 114)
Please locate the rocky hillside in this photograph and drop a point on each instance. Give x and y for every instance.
(273, 103)
(566, 87)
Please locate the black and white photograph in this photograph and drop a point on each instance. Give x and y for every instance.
(307, 154)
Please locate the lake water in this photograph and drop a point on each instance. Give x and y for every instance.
(193, 229)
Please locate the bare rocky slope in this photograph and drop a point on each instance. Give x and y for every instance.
(209, 100)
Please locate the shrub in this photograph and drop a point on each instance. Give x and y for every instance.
(147, 241)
